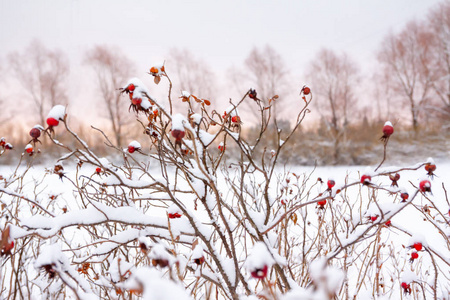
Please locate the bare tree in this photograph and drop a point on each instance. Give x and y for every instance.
(407, 57)
(2, 104)
(439, 20)
(266, 72)
(193, 75)
(112, 69)
(42, 74)
(334, 78)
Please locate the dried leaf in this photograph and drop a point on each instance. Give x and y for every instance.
(136, 291)
(5, 236)
(5, 245)
(294, 218)
(195, 243)
(119, 291)
(157, 79)
(207, 102)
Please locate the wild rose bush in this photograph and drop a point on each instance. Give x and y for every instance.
(182, 219)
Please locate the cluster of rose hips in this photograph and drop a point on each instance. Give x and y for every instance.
(157, 72)
(430, 167)
(406, 288)
(424, 185)
(35, 134)
(252, 94)
(417, 246)
(221, 147)
(234, 121)
(135, 101)
(175, 215)
(5, 145)
(330, 184)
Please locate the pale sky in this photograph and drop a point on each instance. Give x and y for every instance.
(220, 32)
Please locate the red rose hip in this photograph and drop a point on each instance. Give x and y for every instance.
(136, 101)
(35, 133)
(417, 246)
(330, 183)
(365, 179)
(404, 196)
(260, 273)
(322, 203)
(174, 215)
(306, 90)
(388, 130)
(52, 122)
(425, 186)
(178, 134)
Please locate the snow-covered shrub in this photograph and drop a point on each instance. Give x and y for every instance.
(173, 216)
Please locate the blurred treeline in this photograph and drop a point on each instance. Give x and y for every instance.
(410, 88)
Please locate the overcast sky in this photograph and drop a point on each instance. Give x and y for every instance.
(220, 32)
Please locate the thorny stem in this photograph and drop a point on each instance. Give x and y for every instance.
(384, 154)
(170, 92)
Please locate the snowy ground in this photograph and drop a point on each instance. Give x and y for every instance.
(409, 220)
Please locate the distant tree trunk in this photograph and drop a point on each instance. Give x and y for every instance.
(194, 76)
(407, 58)
(113, 70)
(265, 71)
(42, 74)
(333, 78)
(439, 19)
